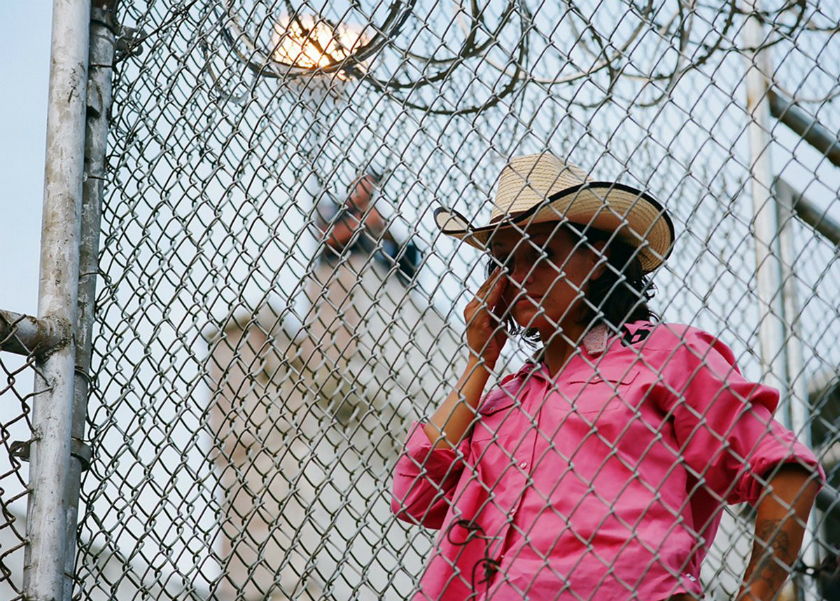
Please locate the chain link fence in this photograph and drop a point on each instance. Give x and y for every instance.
(17, 396)
(266, 334)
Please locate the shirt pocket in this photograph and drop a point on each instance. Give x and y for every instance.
(605, 389)
(495, 416)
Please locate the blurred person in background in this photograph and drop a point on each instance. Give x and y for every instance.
(358, 285)
(359, 227)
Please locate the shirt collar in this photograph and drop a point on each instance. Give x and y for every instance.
(594, 342)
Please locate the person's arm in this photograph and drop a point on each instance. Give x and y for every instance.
(425, 479)
(486, 337)
(448, 424)
(779, 527)
(729, 441)
(340, 234)
(428, 470)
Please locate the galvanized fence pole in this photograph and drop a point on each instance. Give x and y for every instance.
(765, 211)
(102, 44)
(806, 126)
(44, 563)
(781, 351)
(25, 335)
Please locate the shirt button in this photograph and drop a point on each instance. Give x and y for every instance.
(523, 465)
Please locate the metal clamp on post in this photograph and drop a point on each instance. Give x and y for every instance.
(81, 451)
(129, 43)
(20, 449)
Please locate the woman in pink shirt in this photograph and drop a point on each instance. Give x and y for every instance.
(601, 468)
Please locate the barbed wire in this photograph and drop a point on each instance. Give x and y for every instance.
(692, 35)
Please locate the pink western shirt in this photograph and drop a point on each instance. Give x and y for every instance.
(607, 483)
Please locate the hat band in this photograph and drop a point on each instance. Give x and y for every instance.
(499, 218)
(555, 196)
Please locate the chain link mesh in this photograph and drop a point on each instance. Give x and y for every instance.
(255, 383)
(17, 396)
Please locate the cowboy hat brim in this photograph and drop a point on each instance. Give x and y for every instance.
(636, 216)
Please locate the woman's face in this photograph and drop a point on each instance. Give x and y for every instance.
(548, 271)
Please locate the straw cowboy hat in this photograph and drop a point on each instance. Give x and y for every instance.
(542, 187)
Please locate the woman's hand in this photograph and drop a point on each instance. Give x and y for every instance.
(486, 335)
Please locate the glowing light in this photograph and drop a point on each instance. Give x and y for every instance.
(309, 44)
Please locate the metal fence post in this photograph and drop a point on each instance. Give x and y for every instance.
(781, 351)
(50, 450)
(102, 44)
(765, 211)
(806, 126)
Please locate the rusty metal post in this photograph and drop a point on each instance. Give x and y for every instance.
(44, 561)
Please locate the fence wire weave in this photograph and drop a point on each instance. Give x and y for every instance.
(267, 334)
(17, 396)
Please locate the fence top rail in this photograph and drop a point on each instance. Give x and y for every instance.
(27, 335)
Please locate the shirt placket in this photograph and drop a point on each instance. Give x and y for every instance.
(522, 462)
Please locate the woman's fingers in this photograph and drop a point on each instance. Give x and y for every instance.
(482, 291)
(487, 286)
(495, 286)
(488, 293)
(483, 314)
(487, 302)
(496, 291)
(494, 302)
(499, 305)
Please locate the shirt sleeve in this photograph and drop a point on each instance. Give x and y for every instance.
(724, 423)
(425, 479)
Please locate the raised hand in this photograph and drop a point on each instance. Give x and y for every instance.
(486, 335)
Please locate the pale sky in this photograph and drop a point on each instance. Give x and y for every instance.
(24, 71)
(25, 41)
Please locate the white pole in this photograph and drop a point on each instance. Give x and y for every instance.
(54, 381)
(798, 403)
(781, 351)
(765, 212)
(800, 413)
